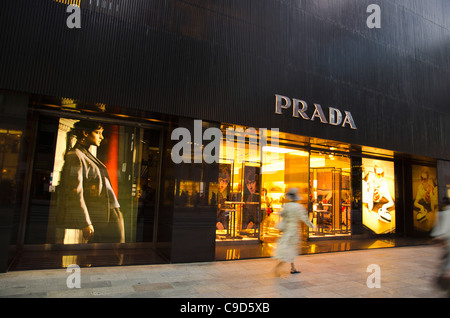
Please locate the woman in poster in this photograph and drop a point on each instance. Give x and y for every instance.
(86, 198)
(426, 196)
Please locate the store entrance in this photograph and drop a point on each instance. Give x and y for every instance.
(250, 195)
(330, 210)
(330, 193)
(282, 168)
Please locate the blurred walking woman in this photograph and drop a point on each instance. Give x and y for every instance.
(87, 200)
(288, 245)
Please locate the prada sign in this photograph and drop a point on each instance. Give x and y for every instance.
(300, 109)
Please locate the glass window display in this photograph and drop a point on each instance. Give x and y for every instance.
(87, 201)
(378, 189)
(102, 183)
(250, 213)
(237, 189)
(223, 197)
(425, 195)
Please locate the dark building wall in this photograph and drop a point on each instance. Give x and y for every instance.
(225, 61)
(14, 148)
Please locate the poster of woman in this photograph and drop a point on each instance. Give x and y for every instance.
(425, 196)
(87, 208)
(378, 195)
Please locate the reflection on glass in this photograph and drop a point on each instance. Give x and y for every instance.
(188, 191)
(9, 159)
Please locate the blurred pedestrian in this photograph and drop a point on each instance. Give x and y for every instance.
(288, 245)
(441, 234)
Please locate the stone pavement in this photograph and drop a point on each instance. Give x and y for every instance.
(404, 272)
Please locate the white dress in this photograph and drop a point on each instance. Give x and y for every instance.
(442, 230)
(288, 245)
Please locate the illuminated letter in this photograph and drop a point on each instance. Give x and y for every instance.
(296, 111)
(349, 120)
(74, 20)
(279, 104)
(318, 112)
(335, 117)
(374, 20)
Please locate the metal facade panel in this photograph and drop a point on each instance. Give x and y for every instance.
(226, 60)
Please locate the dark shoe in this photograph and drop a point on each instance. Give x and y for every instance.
(295, 271)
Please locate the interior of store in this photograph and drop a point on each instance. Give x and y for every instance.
(253, 180)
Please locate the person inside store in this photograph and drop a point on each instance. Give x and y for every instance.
(250, 213)
(266, 200)
(292, 214)
(376, 194)
(266, 209)
(441, 235)
(86, 198)
(222, 197)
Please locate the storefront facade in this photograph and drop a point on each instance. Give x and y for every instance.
(177, 126)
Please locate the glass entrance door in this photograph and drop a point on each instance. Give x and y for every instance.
(330, 192)
(282, 168)
(145, 186)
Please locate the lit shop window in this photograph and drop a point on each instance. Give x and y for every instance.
(237, 191)
(425, 197)
(93, 182)
(378, 195)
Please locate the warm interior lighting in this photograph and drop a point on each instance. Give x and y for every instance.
(285, 150)
(69, 2)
